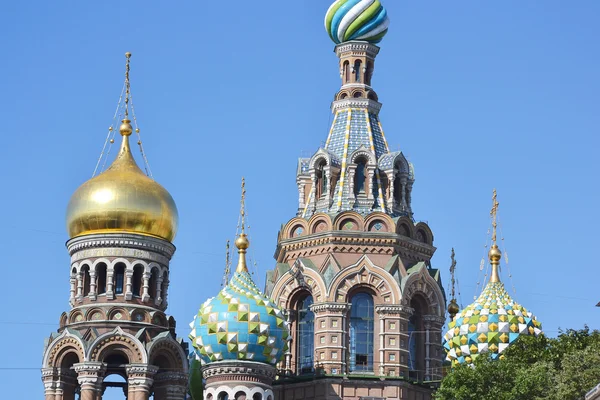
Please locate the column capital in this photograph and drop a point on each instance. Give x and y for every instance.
(434, 320)
(338, 308)
(140, 375)
(395, 309)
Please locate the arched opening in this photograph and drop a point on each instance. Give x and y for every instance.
(346, 71)
(115, 382)
(270, 397)
(152, 283)
(119, 278)
(209, 397)
(358, 95)
(240, 396)
(223, 396)
(85, 276)
(343, 96)
(321, 178)
(164, 285)
(369, 73)
(257, 396)
(101, 276)
(404, 230)
(305, 335)
(70, 387)
(360, 176)
(362, 332)
(137, 280)
(422, 236)
(416, 339)
(357, 71)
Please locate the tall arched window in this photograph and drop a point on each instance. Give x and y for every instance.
(360, 177)
(357, 70)
(85, 275)
(416, 340)
(119, 278)
(321, 179)
(305, 336)
(101, 276)
(138, 276)
(362, 324)
(152, 283)
(346, 71)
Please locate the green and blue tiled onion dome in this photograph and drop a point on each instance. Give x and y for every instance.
(240, 323)
(365, 20)
(490, 324)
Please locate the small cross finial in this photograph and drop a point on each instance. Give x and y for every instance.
(243, 205)
(452, 271)
(494, 214)
(227, 266)
(127, 87)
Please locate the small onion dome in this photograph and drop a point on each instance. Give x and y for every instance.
(453, 308)
(122, 199)
(348, 20)
(489, 325)
(240, 323)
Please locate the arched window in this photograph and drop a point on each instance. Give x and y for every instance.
(119, 278)
(240, 396)
(357, 70)
(362, 322)
(346, 71)
(321, 179)
(257, 396)
(165, 285)
(223, 396)
(101, 276)
(416, 339)
(369, 73)
(85, 275)
(360, 176)
(138, 276)
(305, 336)
(152, 283)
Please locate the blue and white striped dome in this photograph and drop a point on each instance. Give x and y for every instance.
(348, 20)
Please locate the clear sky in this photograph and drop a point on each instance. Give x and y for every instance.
(478, 95)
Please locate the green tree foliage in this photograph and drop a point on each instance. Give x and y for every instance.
(196, 389)
(565, 368)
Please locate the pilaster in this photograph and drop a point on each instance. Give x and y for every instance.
(140, 380)
(331, 335)
(90, 376)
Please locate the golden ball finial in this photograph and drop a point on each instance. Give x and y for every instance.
(453, 308)
(242, 242)
(128, 54)
(126, 129)
(495, 254)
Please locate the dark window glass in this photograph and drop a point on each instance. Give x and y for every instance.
(362, 332)
(305, 336)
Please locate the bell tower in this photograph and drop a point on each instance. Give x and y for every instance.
(121, 225)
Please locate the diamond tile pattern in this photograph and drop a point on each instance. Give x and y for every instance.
(240, 323)
(489, 325)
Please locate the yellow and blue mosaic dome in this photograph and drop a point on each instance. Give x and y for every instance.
(365, 20)
(489, 325)
(240, 323)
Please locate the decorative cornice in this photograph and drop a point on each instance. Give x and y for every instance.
(371, 105)
(121, 240)
(238, 368)
(366, 47)
(394, 309)
(434, 319)
(330, 307)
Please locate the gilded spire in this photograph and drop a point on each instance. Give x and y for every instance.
(453, 306)
(126, 129)
(227, 266)
(242, 242)
(495, 254)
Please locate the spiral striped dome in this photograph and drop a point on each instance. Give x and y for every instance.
(356, 20)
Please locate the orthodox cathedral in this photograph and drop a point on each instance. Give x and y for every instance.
(352, 309)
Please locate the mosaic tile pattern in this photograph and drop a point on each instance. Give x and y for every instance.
(489, 325)
(240, 323)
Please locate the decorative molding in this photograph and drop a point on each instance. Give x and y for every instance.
(371, 105)
(393, 309)
(138, 246)
(330, 307)
(248, 368)
(357, 46)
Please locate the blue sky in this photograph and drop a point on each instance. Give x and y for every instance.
(478, 95)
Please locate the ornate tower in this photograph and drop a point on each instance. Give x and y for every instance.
(239, 336)
(121, 224)
(353, 267)
(493, 321)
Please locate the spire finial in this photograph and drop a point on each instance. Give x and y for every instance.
(242, 242)
(227, 266)
(495, 254)
(126, 129)
(453, 306)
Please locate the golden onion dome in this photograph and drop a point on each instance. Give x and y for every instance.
(122, 199)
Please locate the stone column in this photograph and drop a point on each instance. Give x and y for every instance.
(370, 179)
(409, 196)
(80, 287)
(159, 282)
(140, 381)
(90, 376)
(170, 385)
(128, 284)
(351, 173)
(328, 196)
(93, 286)
(301, 194)
(50, 379)
(391, 200)
(403, 194)
(73, 290)
(433, 360)
(110, 272)
(165, 292)
(146, 286)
